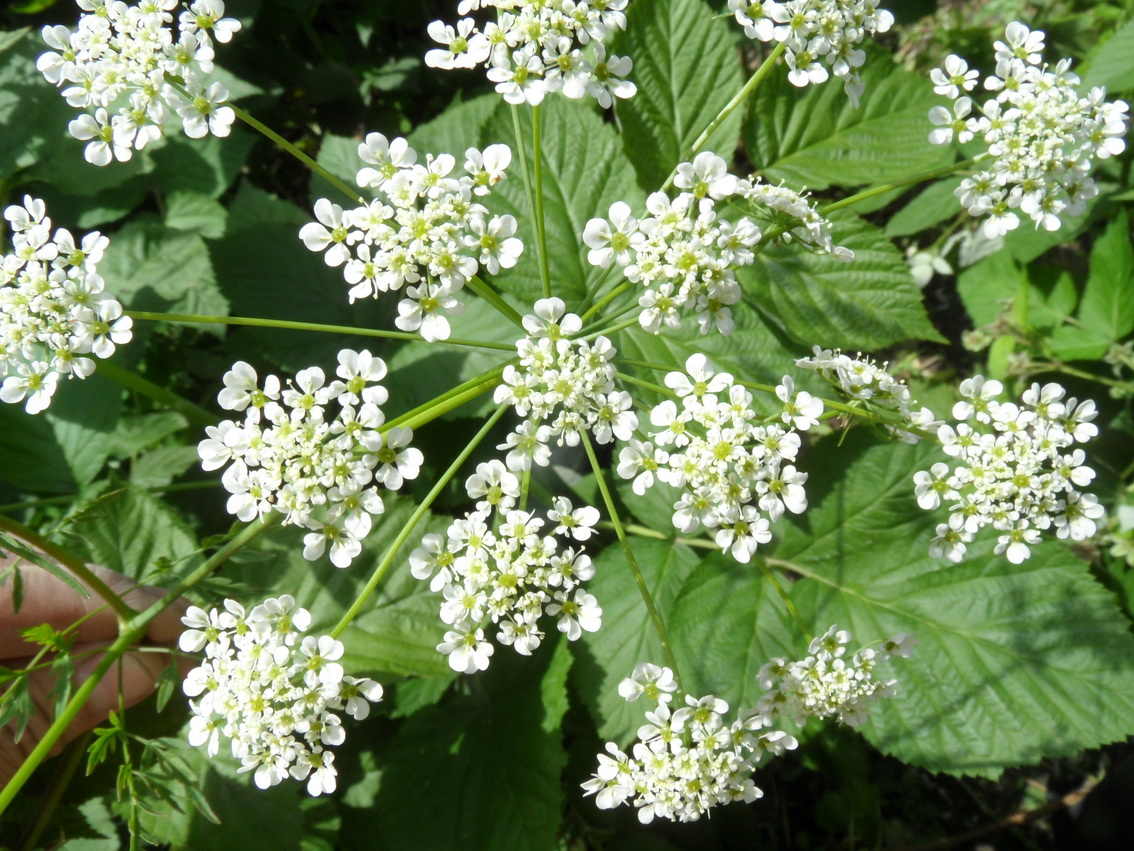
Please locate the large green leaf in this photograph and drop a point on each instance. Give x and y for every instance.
(814, 137)
(131, 531)
(866, 304)
(627, 638)
(457, 129)
(687, 68)
(485, 764)
(1111, 64)
(1106, 311)
(398, 629)
(584, 172)
(33, 115)
(1014, 662)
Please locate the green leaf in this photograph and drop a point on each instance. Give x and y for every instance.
(266, 272)
(687, 68)
(16, 707)
(553, 686)
(68, 441)
(603, 659)
(754, 351)
(33, 115)
(813, 137)
(151, 267)
(138, 432)
(399, 628)
(866, 304)
(1014, 663)
(339, 155)
(457, 129)
(584, 172)
(488, 757)
(1111, 63)
(17, 548)
(1106, 311)
(130, 531)
(931, 206)
(208, 165)
(196, 213)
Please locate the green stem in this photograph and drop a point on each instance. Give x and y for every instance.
(1057, 366)
(298, 154)
(737, 99)
(522, 150)
(541, 230)
(771, 577)
(407, 529)
(593, 292)
(68, 561)
(643, 589)
(607, 299)
(448, 401)
(201, 319)
(657, 388)
(133, 381)
(494, 298)
(909, 181)
(647, 532)
(133, 630)
(613, 329)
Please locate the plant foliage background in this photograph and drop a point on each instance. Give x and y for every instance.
(1017, 665)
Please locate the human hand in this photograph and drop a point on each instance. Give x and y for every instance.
(48, 600)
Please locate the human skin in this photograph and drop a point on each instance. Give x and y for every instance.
(48, 600)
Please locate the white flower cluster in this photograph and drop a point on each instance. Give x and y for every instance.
(733, 464)
(1042, 134)
(683, 254)
(561, 388)
(272, 690)
(294, 456)
(1015, 469)
(825, 684)
(115, 68)
(422, 229)
(535, 47)
(814, 30)
(507, 565)
(689, 759)
(54, 308)
(862, 380)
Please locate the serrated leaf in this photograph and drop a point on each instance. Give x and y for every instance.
(865, 304)
(1106, 311)
(813, 137)
(16, 547)
(207, 165)
(16, 708)
(553, 686)
(605, 658)
(584, 172)
(1014, 662)
(195, 212)
(166, 682)
(687, 68)
(488, 757)
(339, 155)
(130, 532)
(933, 205)
(457, 129)
(1111, 63)
(151, 267)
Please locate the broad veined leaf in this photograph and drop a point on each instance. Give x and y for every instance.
(687, 68)
(584, 172)
(865, 304)
(1106, 311)
(1111, 64)
(1014, 662)
(814, 138)
(488, 756)
(459, 128)
(627, 638)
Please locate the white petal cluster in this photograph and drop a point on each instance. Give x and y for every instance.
(423, 230)
(55, 313)
(1015, 468)
(734, 465)
(313, 450)
(114, 68)
(270, 689)
(862, 380)
(532, 48)
(690, 759)
(826, 684)
(683, 253)
(818, 35)
(1042, 135)
(561, 387)
(507, 566)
